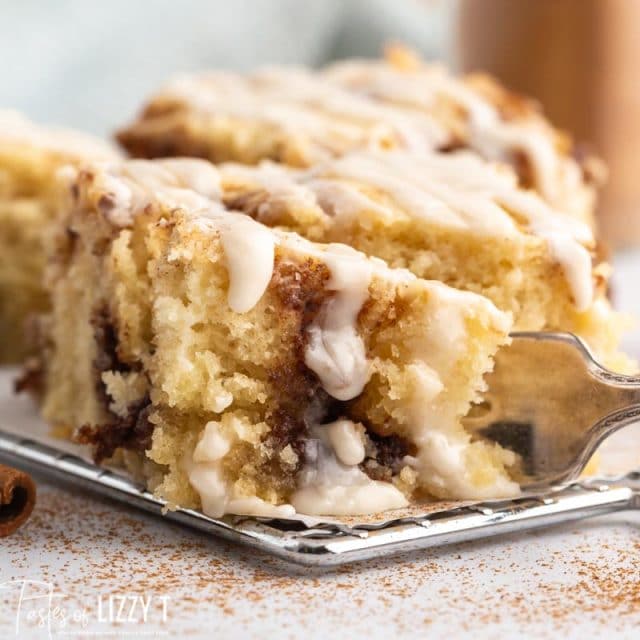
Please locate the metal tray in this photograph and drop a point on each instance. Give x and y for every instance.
(328, 544)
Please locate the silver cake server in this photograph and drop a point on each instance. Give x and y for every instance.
(550, 402)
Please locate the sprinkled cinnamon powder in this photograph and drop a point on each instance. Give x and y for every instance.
(582, 577)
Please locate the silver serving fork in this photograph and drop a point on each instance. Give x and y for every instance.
(553, 404)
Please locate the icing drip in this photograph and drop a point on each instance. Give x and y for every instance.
(186, 184)
(335, 351)
(185, 174)
(347, 440)
(456, 191)
(424, 189)
(462, 191)
(344, 201)
(331, 482)
(496, 139)
(416, 130)
(373, 104)
(576, 265)
(205, 472)
(487, 132)
(277, 180)
(194, 186)
(297, 100)
(565, 237)
(249, 250)
(327, 486)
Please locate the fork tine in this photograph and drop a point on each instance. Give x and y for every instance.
(549, 401)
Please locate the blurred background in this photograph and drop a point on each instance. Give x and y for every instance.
(89, 64)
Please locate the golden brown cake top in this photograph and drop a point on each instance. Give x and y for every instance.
(399, 102)
(191, 189)
(456, 191)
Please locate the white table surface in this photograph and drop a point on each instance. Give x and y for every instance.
(575, 581)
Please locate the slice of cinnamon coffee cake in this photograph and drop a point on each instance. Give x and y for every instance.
(247, 370)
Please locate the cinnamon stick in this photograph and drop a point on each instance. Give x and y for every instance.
(17, 499)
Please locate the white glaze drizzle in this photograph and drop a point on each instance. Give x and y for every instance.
(487, 132)
(194, 187)
(426, 188)
(298, 100)
(186, 184)
(206, 475)
(327, 486)
(335, 350)
(456, 191)
(416, 130)
(372, 102)
(462, 191)
(249, 250)
(347, 440)
(496, 139)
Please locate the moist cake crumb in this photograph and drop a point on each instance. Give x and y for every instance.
(31, 157)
